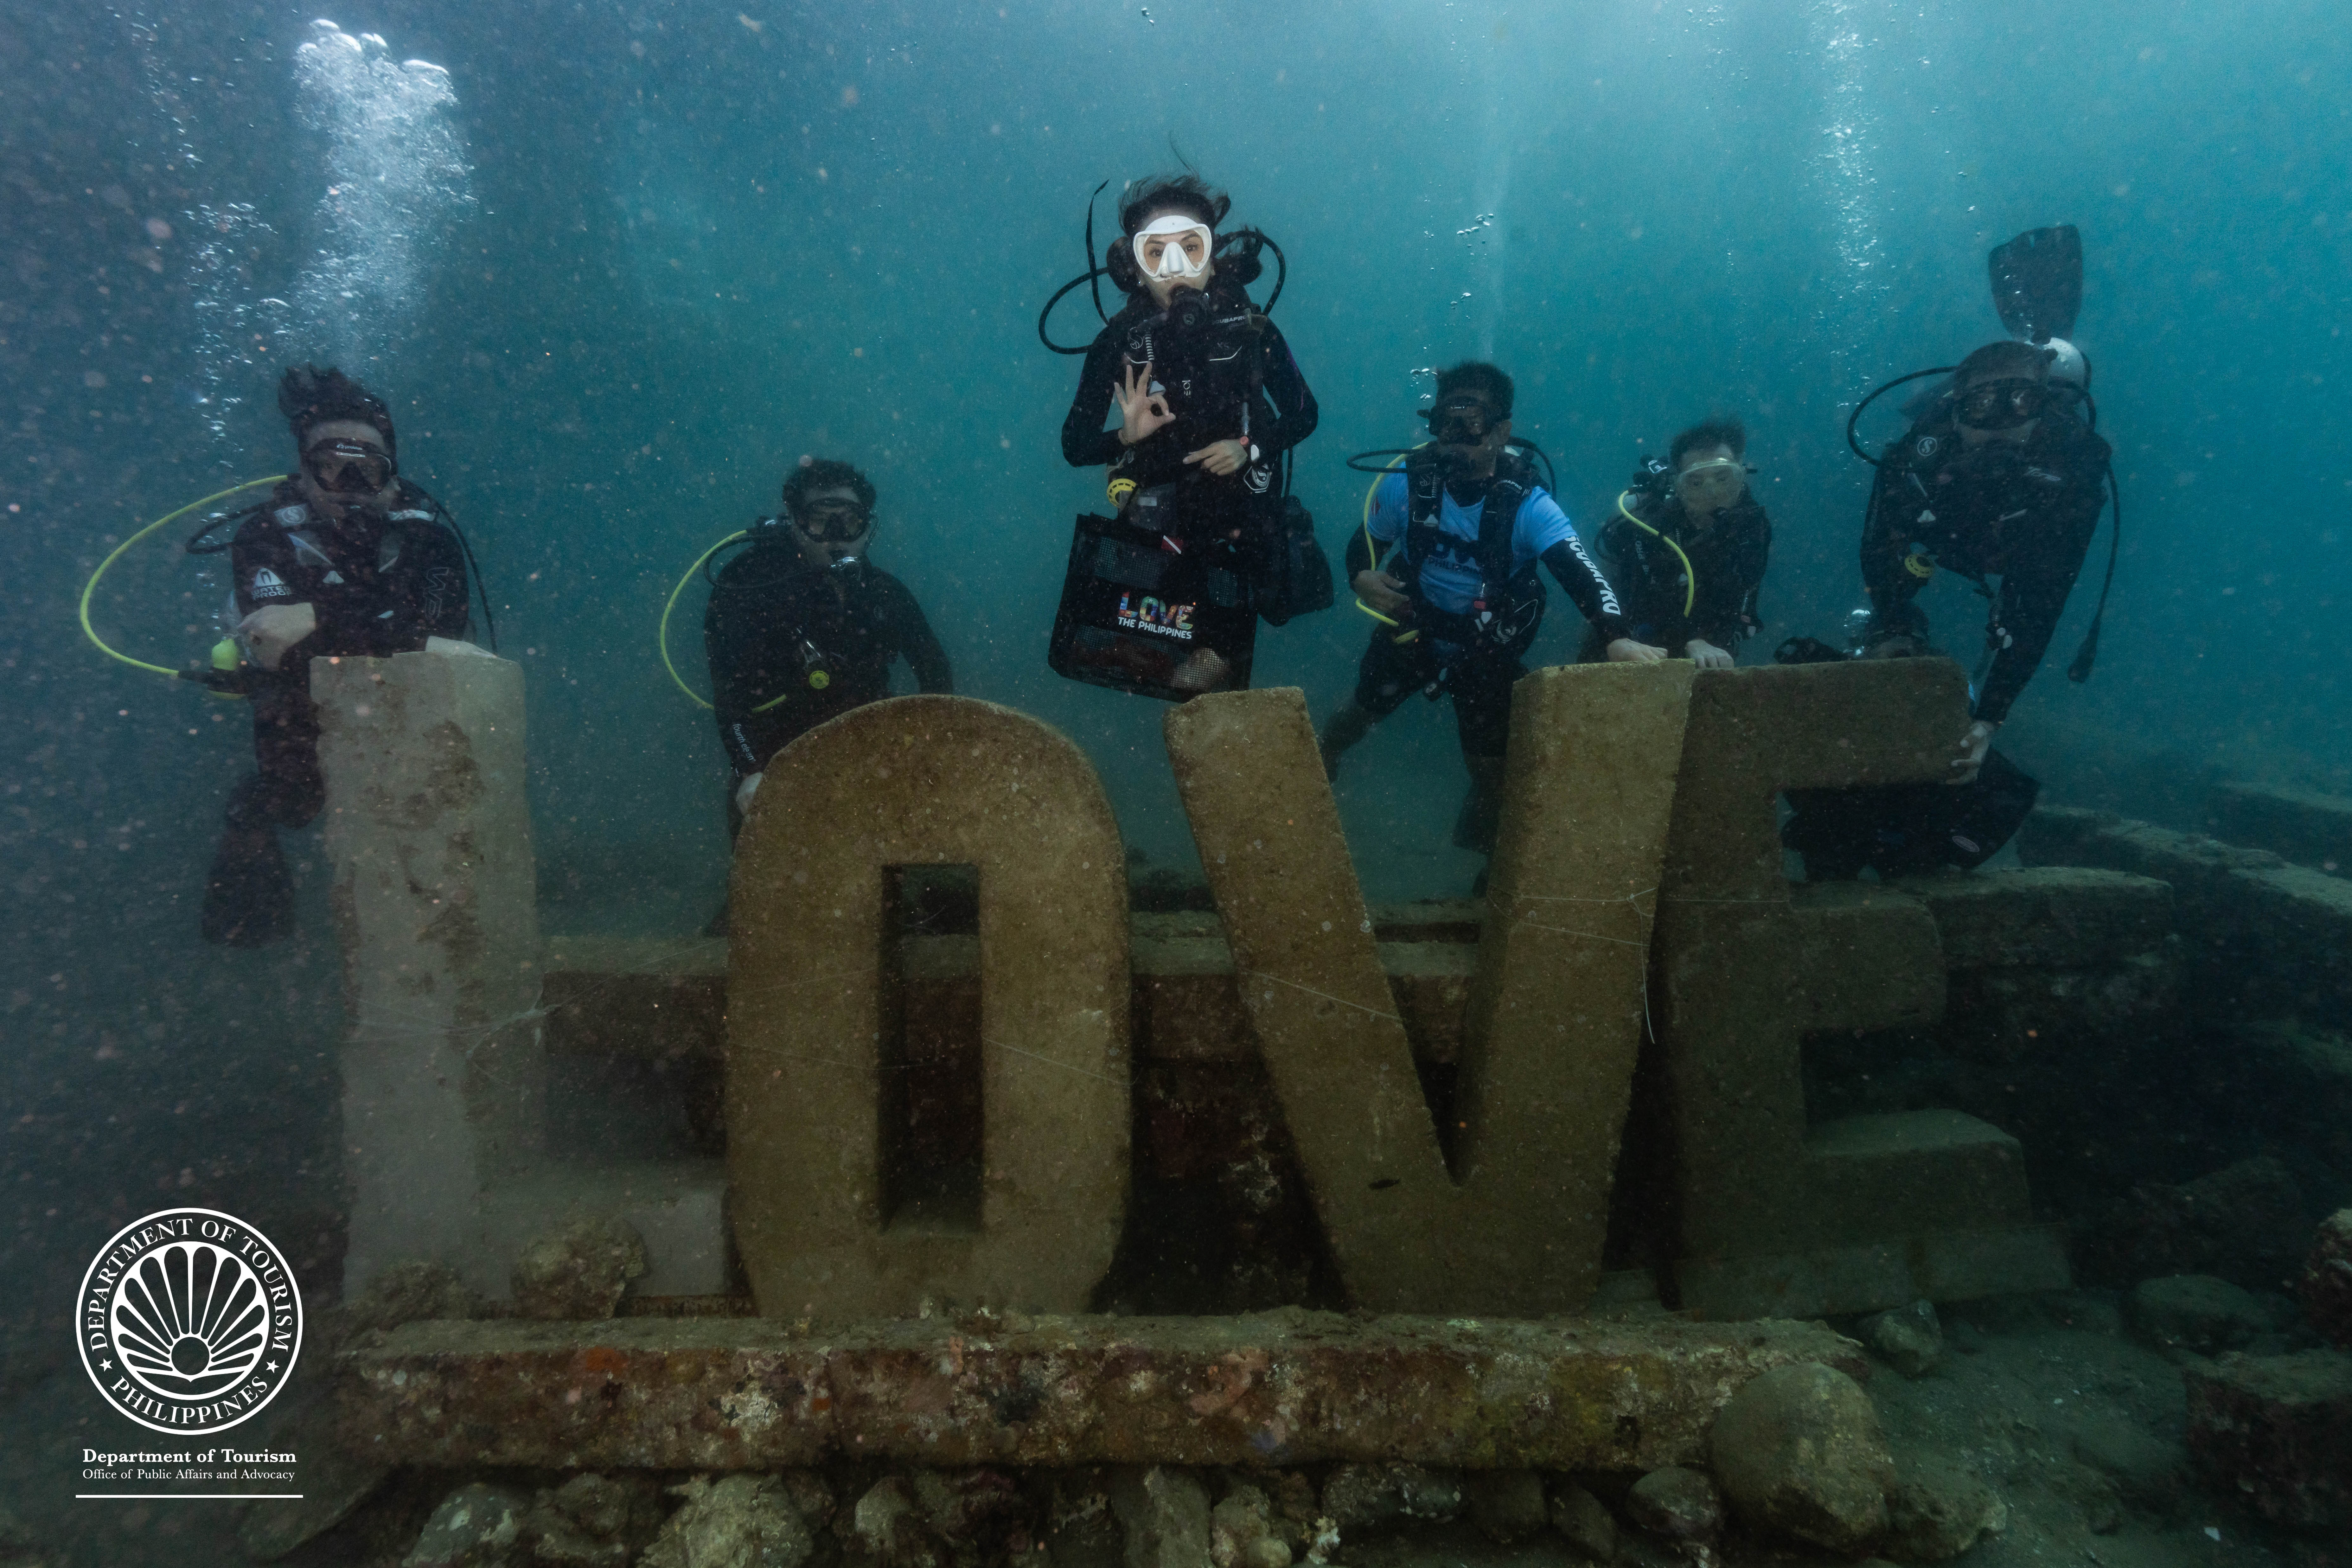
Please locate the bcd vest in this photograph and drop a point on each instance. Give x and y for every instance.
(1508, 608)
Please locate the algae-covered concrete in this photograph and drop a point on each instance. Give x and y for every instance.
(814, 1012)
(1558, 1004)
(1284, 1388)
(435, 899)
(1777, 1214)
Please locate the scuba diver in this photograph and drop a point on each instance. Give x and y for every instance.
(1688, 547)
(344, 558)
(1447, 563)
(801, 627)
(2001, 476)
(1209, 400)
(2003, 473)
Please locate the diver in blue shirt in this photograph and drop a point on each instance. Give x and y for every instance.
(1447, 563)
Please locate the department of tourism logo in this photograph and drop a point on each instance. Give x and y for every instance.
(189, 1320)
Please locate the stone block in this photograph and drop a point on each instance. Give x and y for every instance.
(2265, 939)
(1870, 1212)
(1557, 1007)
(1285, 1389)
(822, 1220)
(2276, 1431)
(2045, 916)
(2302, 826)
(443, 1070)
(2327, 1284)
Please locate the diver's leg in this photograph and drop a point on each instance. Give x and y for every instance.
(248, 892)
(1482, 714)
(1388, 674)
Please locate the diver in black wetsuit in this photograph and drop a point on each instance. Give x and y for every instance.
(344, 558)
(801, 627)
(1207, 394)
(2002, 477)
(1688, 547)
(1999, 476)
(1463, 525)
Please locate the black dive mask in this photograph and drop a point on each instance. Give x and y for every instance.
(2001, 404)
(1464, 422)
(832, 521)
(348, 467)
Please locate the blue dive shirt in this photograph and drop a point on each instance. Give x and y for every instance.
(1450, 579)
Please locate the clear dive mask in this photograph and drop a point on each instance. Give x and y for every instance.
(1174, 247)
(1716, 480)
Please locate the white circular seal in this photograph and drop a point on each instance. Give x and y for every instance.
(189, 1320)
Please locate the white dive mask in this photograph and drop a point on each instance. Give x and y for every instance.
(1173, 246)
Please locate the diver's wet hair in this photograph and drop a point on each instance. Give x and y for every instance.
(2004, 360)
(1706, 435)
(310, 396)
(826, 474)
(1476, 376)
(1185, 193)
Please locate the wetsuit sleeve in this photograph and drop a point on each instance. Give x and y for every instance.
(1295, 411)
(1594, 599)
(260, 546)
(919, 644)
(732, 635)
(1725, 611)
(1085, 443)
(2033, 590)
(438, 596)
(1884, 535)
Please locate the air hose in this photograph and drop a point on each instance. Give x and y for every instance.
(90, 587)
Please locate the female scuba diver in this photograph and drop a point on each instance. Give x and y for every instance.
(1208, 399)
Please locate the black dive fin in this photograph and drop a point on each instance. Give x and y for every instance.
(2037, 282)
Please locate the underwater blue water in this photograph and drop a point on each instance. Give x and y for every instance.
(625, 264)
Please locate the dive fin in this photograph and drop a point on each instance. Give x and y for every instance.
(2037, 282)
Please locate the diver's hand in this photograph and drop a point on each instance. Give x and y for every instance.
(270, 630)
(746, 790)
(1970, 757)
(1381, 592)
(455, 649)
(1221, 457)
(1141, 411)
(1625, 650)
(1706, 655)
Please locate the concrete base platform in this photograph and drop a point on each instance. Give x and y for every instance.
(1284, 1388)
(1951, 1266)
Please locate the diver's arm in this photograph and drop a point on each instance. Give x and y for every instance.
(1381, 590)
(1085, 443)
(1360, 552)
(1891, 585)
(730, 638)
(1295, 414)
(920, 646)
(2033, 597)
(270, 625)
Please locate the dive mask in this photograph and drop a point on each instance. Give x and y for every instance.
(1462, 422)
(1716, 478)
(348, 467)
(1173, 246)
(2001, 404)
(832, 521)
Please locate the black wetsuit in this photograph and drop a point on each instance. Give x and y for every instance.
(2022, 511)
(1727, 558)
(776, 625)
(381, 582)
(1234, 379)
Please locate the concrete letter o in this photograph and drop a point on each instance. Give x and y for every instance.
(927, 780)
